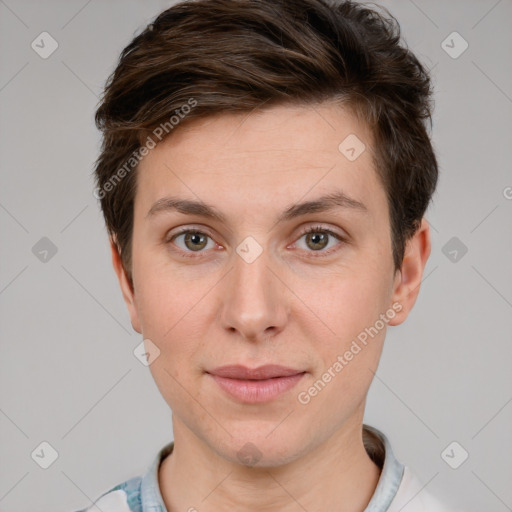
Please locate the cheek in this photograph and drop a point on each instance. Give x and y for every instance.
(172, 313)
(351, 307)
(347, 302)
(346, 366)
(163, 296)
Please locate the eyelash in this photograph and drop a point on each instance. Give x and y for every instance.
(310, 229)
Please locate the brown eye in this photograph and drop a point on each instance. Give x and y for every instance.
(193, 240)
(317, 238)
(317, 241)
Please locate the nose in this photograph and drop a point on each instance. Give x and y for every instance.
(254, 298)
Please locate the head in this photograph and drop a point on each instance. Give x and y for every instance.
(222, 117)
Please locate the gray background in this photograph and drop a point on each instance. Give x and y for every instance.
(68, 374)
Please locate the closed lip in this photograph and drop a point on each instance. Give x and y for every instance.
(268, 371)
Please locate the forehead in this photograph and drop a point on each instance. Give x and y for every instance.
(257, 162)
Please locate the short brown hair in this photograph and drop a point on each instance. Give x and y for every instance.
(241, 55)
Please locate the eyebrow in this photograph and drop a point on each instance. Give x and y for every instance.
(324, 203)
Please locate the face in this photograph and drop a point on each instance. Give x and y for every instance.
(253, 287)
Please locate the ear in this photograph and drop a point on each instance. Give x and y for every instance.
(126, 288)
(408, 279)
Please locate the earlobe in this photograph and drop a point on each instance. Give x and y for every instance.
(408, 280)
(126, 287)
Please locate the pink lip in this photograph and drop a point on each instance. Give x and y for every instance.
(256, 385)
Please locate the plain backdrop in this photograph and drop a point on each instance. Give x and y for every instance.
(68, 373)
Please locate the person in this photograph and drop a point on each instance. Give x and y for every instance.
(264, 175)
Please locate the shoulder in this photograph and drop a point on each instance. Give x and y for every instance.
(124, 497)
(417, 498)
(138, 494)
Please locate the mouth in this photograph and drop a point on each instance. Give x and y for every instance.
(257, 385)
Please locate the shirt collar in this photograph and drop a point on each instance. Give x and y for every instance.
(376, 443)
(378, 447)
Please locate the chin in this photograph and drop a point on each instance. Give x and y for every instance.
(260, 449)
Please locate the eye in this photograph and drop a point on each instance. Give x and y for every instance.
(193, 240)
(317, 239)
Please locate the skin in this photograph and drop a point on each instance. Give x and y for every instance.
(287, 307)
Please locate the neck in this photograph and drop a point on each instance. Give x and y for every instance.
(338, 472)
